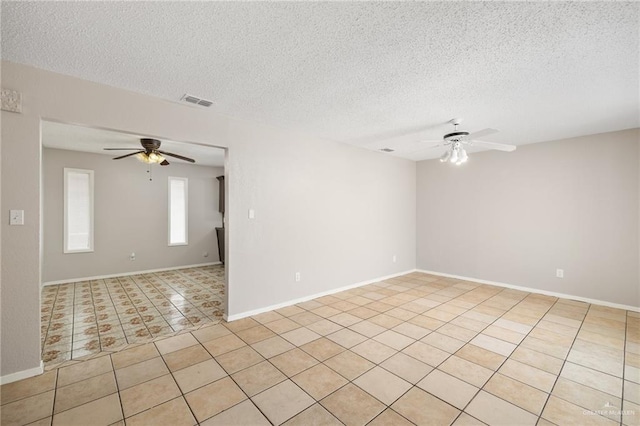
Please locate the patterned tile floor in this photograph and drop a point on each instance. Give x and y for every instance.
(417, 349)
(84, 318)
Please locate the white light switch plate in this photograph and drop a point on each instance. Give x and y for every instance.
(16, 217)
(252, 214)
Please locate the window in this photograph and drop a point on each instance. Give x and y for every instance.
(78, 210)
(178, 194)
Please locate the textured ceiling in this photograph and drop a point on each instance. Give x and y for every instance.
(86, 139)
(374, 74)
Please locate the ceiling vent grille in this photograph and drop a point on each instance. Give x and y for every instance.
(196, 101)
(387, 149)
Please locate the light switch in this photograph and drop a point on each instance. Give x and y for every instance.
(252, 214)
(16, 217)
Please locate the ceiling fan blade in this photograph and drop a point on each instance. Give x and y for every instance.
(433, 146)
(121, 149)
(164, 163)
(481, 133)
(127, 155)
(493, 145)
(426, 148)
(180, 157)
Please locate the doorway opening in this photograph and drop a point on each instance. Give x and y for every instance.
(153, 268)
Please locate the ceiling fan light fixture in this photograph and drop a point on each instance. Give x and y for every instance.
(462, 156)
(445, 157)
(454, 155)
(152, 158)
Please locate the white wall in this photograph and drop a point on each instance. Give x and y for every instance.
(335, 213)
(131, 215)
(516, 217)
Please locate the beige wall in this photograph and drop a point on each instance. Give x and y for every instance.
(517, 217)
(335, 213)
(131, 215)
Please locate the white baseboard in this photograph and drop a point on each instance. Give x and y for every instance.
(126, 274)
(537, 291)
(234, 317)
(25, 374)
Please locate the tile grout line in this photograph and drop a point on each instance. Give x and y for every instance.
(415, 340)
(182, 394)
(564, 361)
(182, 294)
(115, 378)
(599, 371)
(351, 381)
(506, 359)
(119, 318)
(77, 289)
(624, 369)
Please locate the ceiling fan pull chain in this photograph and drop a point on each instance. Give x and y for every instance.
(150, 173)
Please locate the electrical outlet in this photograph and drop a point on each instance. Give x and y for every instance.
(132, 256)
(559, 273)
(394, 258)
(297, 277)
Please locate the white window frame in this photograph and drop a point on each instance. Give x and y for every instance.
(66, 249)
(186, 210)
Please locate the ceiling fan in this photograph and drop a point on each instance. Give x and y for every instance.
(151, 153)
(457, 140)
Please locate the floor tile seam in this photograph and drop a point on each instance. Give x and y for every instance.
(184, 314)
(73, 315)
(387, 329)
(137, 363)
(495, 371)
(182, 394)
(40, 418)
(130, 346)
(582, 406)
(119, 319)
(200, 285)
(144, 294)
(352, 381)
(137, 312)
(46, 333)
(604, 356)
(390, 408)
(349, 381)
(172, 285)
(230, 376)
(168, 284)
(140, 315)
(624, 365)
(55, 382)
(53, 408)
(539, 416)
(435, 330)
(387, 369)
(53, 413)
(560, 372)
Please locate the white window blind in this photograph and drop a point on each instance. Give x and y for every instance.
(78, 210)
(178, 194)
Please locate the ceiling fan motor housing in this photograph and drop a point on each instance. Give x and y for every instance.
(150, 145)
(455, 136)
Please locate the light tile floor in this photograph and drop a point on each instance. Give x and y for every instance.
(417, 349)
(84, 318)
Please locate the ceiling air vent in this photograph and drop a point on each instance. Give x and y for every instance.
(196, 101)
(387, 149)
